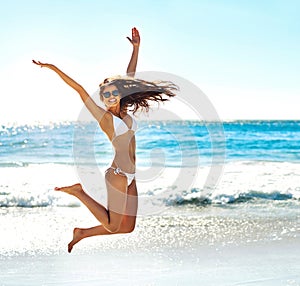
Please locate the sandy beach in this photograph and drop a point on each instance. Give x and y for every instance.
(207, 247)
(271, 264)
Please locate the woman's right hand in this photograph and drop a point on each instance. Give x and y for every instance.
(38, 63)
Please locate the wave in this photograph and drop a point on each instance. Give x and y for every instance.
(196, 198)
(241, 182)
(13, 164)
(192, 198)
(24, 200)
(28, 200)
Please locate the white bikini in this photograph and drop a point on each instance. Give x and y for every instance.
(121, 128)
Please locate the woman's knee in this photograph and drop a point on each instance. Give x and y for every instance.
(127, 228)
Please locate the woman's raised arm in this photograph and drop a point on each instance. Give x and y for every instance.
(135, 41)
(95, 110)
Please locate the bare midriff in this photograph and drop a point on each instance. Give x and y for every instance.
(124, 147)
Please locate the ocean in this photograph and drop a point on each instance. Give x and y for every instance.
(201, 184)
(261, 159)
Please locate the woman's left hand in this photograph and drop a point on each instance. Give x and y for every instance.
(135, 40)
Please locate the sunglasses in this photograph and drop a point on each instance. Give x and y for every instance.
(107, 94)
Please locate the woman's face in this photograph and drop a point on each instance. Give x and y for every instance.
(111, 96)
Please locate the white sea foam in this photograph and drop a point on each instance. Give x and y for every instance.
(32, 186)
(245, 181)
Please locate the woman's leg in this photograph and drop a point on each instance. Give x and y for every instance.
(111, 217)
(127, 225)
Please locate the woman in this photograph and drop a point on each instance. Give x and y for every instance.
(118, 94)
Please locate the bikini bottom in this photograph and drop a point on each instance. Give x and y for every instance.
(118, 171)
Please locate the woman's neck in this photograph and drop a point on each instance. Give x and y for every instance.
(116, 110)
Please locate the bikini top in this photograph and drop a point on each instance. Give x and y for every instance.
(120, 126)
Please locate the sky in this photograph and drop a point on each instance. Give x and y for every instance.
(243, 55)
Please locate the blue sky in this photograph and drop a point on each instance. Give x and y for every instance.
(244, 55)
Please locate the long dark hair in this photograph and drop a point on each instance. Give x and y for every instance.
(136, 93)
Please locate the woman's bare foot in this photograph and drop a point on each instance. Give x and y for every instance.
(77, 236)
(71, 190)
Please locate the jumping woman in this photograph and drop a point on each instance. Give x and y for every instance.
(118, 94)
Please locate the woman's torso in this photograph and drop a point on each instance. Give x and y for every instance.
(123, 141)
